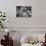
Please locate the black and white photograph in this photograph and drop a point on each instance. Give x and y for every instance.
(23, 11)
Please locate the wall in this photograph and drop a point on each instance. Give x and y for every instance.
(36, 23)
(38, 13)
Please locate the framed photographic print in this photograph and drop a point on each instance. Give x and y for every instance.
(23, 11)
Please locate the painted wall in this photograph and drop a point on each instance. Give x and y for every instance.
(38, 13)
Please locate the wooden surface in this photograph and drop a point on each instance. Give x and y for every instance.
(7, 42)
